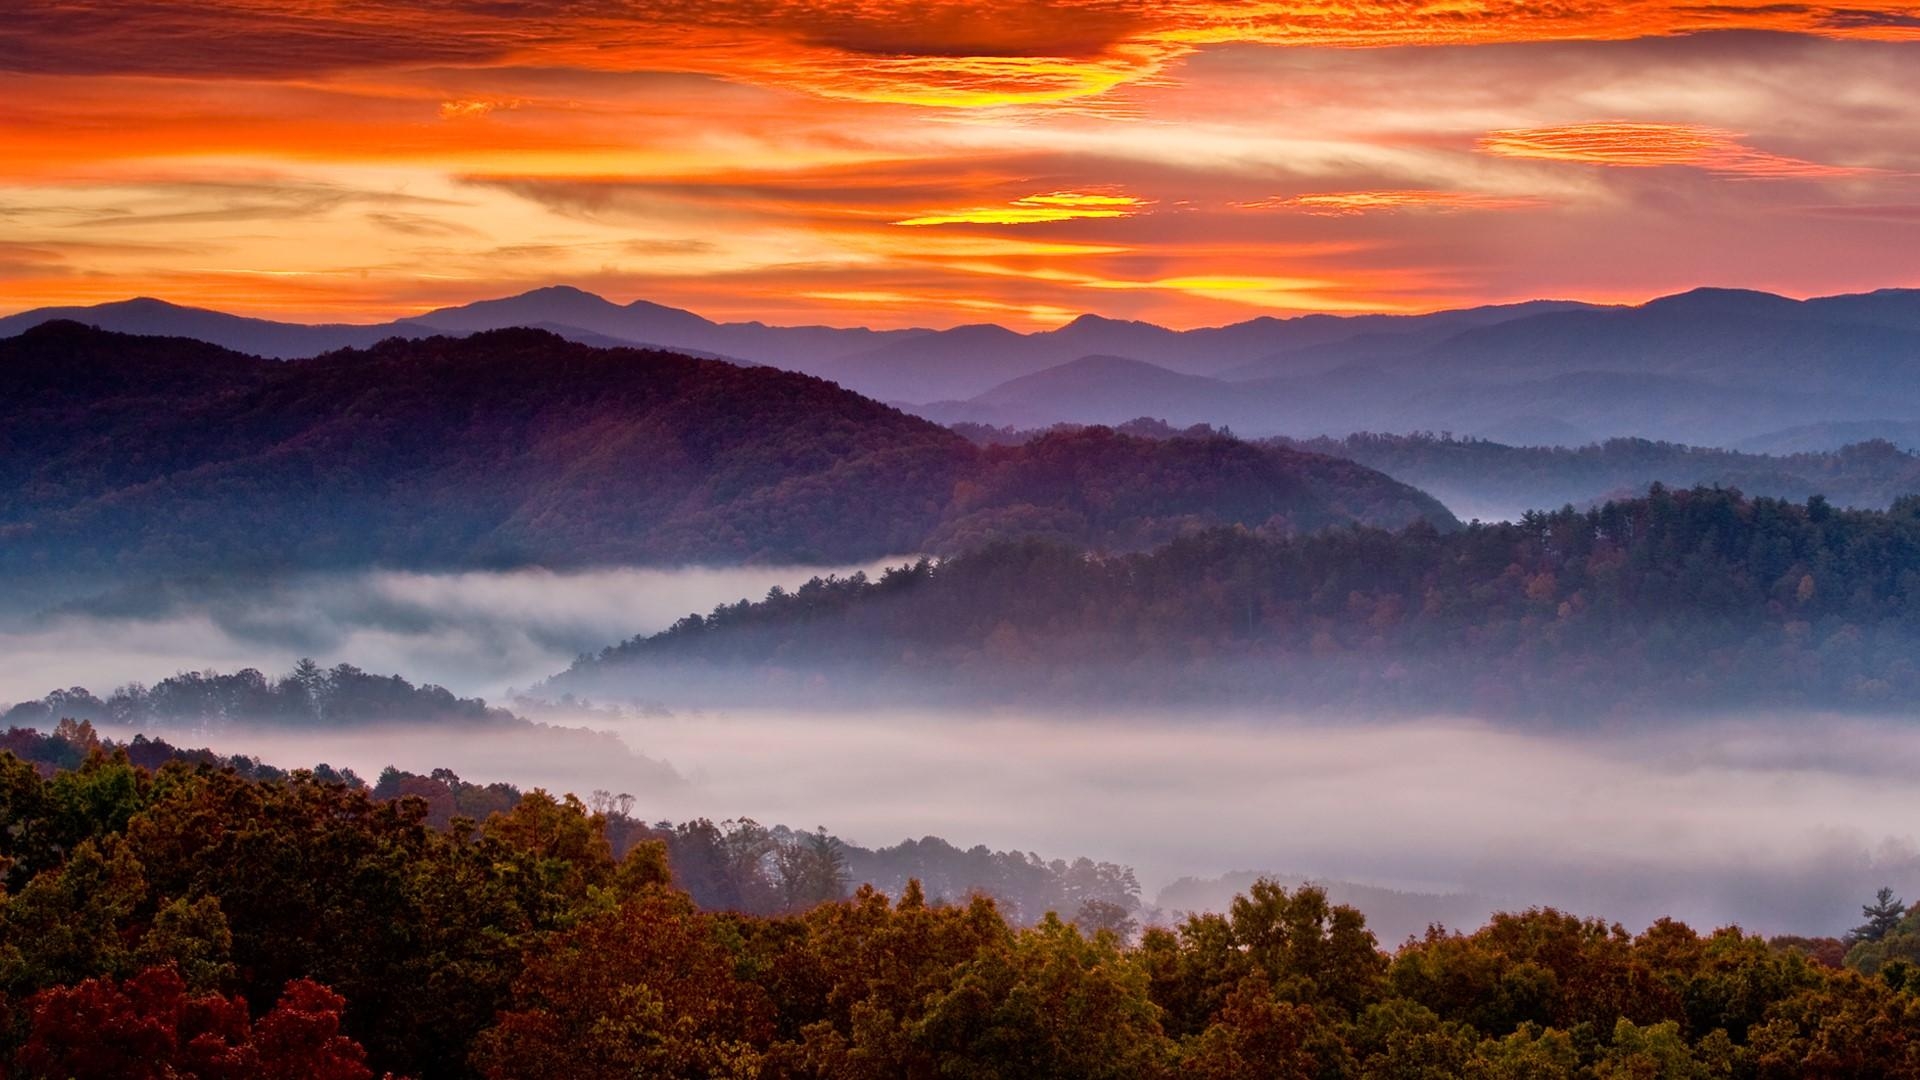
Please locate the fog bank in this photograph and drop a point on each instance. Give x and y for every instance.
(476, 633)
(1779, 824)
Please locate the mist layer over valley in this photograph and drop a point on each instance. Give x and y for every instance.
(1775, 820)
(477, 632)
(1777, 823)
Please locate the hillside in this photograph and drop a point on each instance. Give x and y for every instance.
(518, 447)
(1480, 478)
(1681, 600)
(1812, 438)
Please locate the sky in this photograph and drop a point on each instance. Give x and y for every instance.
(1189, 162)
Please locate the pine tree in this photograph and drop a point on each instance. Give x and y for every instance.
(1882, 915)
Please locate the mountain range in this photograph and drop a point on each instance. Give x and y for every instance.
(1707, 367)
(516, 447)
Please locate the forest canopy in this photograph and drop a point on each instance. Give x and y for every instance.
(1479, 477)
(1700, 599)
(342, 696)
(192, 921)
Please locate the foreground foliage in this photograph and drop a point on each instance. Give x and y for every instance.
(191, 921)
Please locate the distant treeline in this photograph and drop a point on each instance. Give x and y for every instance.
(1145, 427)
(1466, 473)
(70, 743)
(195, 922)
(742, 865)
(1480, 477)
(308, 696)
(1683, 599)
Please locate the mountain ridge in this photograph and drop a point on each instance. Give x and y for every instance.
(1709, 365)
(518, 447)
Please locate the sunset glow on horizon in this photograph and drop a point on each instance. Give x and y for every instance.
(882, 163)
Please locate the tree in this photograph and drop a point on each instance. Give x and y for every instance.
(646, 989)
(149, 1027)
(1050, 1003)
(1257, 1037)
(1883, 915)
(811, 870)
(1098, 916)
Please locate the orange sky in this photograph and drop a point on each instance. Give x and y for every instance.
(938, 162)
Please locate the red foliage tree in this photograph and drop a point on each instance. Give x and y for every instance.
(149, 1026)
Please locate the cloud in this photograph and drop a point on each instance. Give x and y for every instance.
(942, 53)
(473, 108)
(737, 192)
(1900, 212)
(1647, 145)
(1354, 203)
(225, 39)
(408, 224)
(1032, 209)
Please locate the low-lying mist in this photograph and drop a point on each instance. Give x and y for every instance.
(1781, 824)
(474, 633)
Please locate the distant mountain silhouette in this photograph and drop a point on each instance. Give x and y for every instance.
(967, 361)
(518, 447)
(796, 348)
(1710, 366)
(1110, 387)
(259, 337)
(1818, 438)
(1314, 343)
(572, 313)
(912, 365)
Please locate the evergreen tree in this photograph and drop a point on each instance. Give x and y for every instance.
(1882, 916)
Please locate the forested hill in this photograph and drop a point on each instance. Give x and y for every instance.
(1699, 598)
(1481, 478)
(519, 447)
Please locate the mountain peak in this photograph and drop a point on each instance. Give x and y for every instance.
(1717, 301)
(1090, 319)
(561, 292)
(61, 330)
(148, 303)
(1090, 323)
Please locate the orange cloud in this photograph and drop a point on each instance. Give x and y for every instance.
(1628, 145)
(1033, 209)
(937, 53)
(894, 162)
(1355, 203)
(474, 108)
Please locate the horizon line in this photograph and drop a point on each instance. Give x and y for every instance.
(1615, 303)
